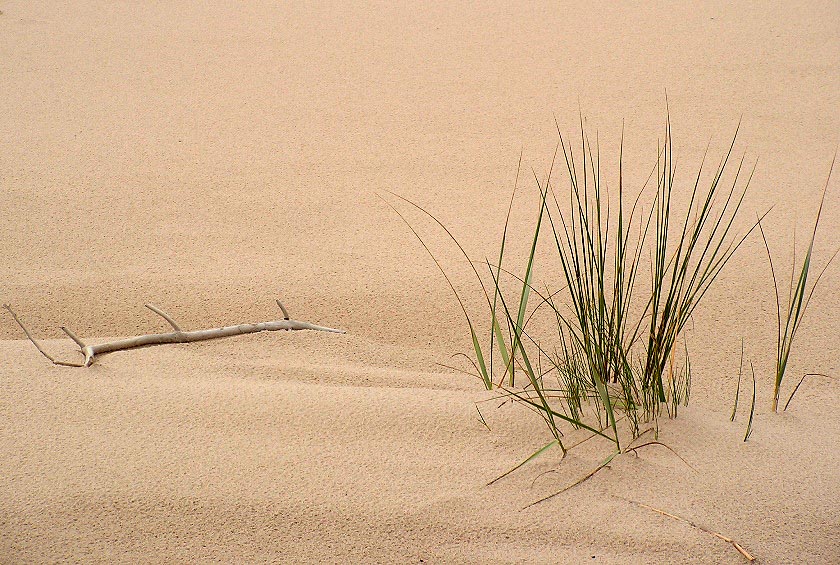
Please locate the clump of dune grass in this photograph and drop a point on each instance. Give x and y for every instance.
(606, 353)
(617, 352)
(789, 318)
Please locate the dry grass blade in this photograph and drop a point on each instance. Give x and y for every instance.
(659, 443)
(577, 482)
(481, 418)
(800, 384)
(486, 378)
(749, 557)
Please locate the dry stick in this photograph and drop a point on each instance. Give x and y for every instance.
(164, 315)
(36, 344)
(283, 308)
(74, 337)
(178, 336)
(718, 535)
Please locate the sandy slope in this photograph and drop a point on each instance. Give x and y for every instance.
(207, 158)
(249, 450)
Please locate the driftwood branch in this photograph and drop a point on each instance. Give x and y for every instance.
(177, 336)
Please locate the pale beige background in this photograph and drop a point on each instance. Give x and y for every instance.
(208, 156)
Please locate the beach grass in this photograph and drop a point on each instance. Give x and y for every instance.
(789, 317)
(617, 356)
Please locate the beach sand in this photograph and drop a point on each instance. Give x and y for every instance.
(212, 158)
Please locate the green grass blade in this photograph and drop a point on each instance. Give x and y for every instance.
(488, 383)
(752, 407)
(738, 389)
(496, 333)
(530, 458)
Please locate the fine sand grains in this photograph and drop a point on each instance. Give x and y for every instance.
(209, 158)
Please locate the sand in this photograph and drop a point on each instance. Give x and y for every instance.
(210, 158)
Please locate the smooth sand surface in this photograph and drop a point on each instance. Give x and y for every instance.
(209, 157)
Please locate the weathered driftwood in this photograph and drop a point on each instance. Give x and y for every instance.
(177, 336)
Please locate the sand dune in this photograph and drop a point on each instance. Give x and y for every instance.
(209, 158)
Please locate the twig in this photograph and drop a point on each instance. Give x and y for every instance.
(74, 337)
(164, 315)
(52, 359)
(283, 308)
(178, 336)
